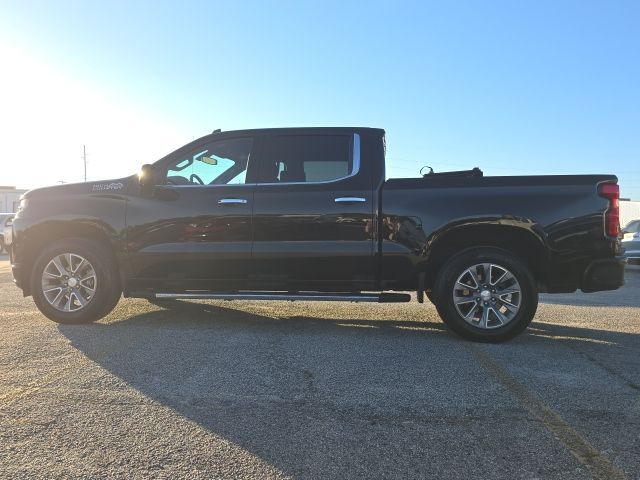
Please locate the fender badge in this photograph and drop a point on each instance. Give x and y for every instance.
(107, 186)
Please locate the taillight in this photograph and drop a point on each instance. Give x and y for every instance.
(611, 191)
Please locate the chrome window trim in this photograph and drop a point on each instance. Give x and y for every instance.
(355, 169)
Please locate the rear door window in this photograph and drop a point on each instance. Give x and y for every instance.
(307, 159)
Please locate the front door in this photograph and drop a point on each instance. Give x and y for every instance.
(313, 215)
(195, 231)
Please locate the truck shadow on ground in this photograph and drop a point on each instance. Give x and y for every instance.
(627, 296)
(315, 396)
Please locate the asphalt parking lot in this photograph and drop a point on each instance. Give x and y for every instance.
(319, 390)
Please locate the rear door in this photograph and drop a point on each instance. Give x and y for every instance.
(313, 215)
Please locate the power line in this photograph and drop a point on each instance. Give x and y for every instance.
(84, 158)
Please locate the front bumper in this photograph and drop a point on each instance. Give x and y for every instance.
(632, 250)
(603, 274)
(16, 270)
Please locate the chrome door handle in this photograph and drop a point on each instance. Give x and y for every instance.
(232, 201)
(350, 200)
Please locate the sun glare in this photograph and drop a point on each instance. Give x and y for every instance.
(47, 115)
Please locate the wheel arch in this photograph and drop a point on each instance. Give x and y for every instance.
(521, 240)
(38, 236)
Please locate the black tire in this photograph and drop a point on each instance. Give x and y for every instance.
(107, 288)
(446, 283)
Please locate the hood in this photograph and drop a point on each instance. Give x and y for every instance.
(117, 185)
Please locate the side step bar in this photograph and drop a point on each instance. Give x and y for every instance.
(303, 296)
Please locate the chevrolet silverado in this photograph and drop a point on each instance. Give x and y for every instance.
(308, 214)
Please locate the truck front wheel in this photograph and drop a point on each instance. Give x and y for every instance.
(486, 294)
(75, 280)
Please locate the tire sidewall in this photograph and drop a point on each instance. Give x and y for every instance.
(106, 276)
(450, 274)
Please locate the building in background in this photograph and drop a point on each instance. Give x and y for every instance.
(9, 199)
(629, 210)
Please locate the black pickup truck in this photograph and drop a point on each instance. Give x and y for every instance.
(306, 214)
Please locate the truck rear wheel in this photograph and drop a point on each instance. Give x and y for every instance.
(75, 281)
(486, 294)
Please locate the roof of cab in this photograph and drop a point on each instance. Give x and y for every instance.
(284, 130)
(280, 131)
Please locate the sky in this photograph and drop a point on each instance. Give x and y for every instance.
(515, 87)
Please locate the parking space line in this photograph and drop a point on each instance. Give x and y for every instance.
(598, 464)
(10, 396)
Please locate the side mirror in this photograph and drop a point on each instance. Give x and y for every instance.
(147, 177)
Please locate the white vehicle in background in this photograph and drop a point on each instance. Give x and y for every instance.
(631, 241)
(632, 249)
(630, 230)
(6, 220)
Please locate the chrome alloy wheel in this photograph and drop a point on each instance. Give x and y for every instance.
(69, 282)
(487, 296)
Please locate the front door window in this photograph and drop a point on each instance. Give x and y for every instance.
(223, 162)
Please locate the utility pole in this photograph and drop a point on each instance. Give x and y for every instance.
(84, 157)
